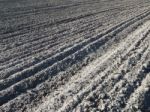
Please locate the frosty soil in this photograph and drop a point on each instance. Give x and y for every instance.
(95, 57)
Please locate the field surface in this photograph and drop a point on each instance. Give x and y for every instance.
(74, 55)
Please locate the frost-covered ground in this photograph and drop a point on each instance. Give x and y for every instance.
(74, 55)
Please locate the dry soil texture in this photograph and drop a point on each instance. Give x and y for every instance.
(74, 55)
